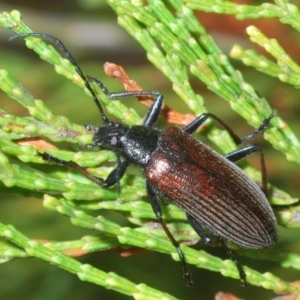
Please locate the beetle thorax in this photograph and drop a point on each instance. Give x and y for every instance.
(138, 144)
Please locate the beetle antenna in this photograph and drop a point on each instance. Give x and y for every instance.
(72, 61)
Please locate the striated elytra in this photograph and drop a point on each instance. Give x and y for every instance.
(211, 189)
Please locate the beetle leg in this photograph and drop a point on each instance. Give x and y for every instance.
(241, 153)
(111, 179)
(153, 111)
(207, 240)
(231, 255)
(195, 124)
(264, 125)
(150, 118)
(158, 213)
(199, 230)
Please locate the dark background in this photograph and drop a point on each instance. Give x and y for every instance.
(91, 32)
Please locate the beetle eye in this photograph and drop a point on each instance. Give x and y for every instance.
(114, 141)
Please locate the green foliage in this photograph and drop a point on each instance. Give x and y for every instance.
(177, 44)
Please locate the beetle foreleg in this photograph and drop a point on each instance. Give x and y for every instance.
(153, 111)
(111, 179)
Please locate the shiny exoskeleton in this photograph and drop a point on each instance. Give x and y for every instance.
(217, 197)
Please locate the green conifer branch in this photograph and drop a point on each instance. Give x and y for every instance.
(176, 43)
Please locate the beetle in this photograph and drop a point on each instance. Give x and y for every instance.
(219, 199)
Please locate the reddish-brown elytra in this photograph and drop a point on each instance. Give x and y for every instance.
(217, 196)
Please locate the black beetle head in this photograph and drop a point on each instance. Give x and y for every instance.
(109, 135)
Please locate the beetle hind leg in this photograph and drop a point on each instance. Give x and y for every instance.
(207, 240)
(232, 256)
